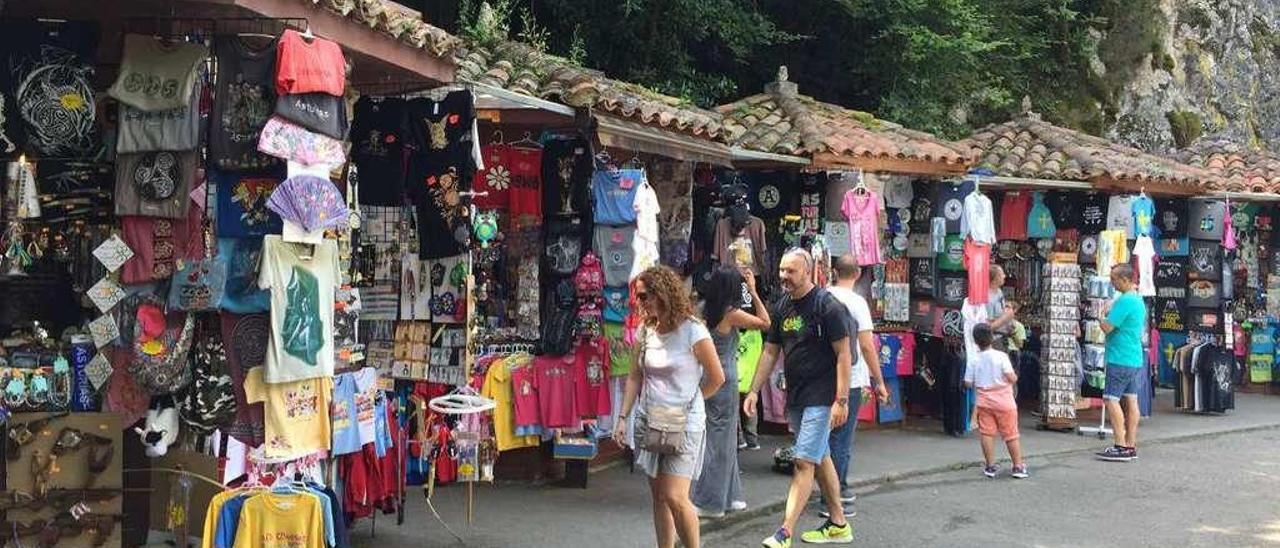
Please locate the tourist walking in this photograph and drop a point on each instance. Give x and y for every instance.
(719, 487)
(677, 369)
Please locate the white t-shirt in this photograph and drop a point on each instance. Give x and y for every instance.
(978, 221)
(645, 244)
(973, 314)
(862, 316)
(302, 298)
(898, 192)
(672, 374)
(988, 370)
(1145, 251)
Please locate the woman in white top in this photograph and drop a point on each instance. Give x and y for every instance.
(678, 369)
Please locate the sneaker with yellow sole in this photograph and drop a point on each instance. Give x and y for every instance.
(829, 533)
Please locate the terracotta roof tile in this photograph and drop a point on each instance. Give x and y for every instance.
(784, 122)
(1244, 170)
(1030, 148)
(521, 69)
(396, 21)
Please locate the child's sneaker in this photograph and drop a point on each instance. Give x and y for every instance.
(1020, 472)
(779, 539)
(991, 471)
(829, 533)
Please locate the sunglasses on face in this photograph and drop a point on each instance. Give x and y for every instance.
(642, 296)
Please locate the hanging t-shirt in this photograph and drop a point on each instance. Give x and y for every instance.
(442, 223)
(1144, 215)
(645, 244)
(499, 386)
(1170, 314)
(972, 315)
(614, 246)
(309, 65)
(158, 244)
(812, 187)
(318, 112)
(444, 129)
(155, 75)
(272, 519)
(342, 411)
(296, 414)
(53, 62)
(952, 256)
(1171, 217)
(554, 383)
(764, 194)
(493, 184)
(302, 280)
(242, 204)
(566, 176)
(1171, 278)
(1040, 220)
(615, 194)
(950, 203)
(154, 184)
(1145, 253)
(1262, 353)
(1112, 250)
(978, 222)
(564, 246)
(723, 250)
(922, 206)
(242, 295)
(1120, 215)
(244, 100)
(524, 386)
(1013, 215)
(591, 379)
(1089, 249)
(1065, 208)
(377, 148)
(1093, 213)
(525, 165)
(1205, 262)
(977, 261)
(149, 131)
(898, 192)
(863, 209)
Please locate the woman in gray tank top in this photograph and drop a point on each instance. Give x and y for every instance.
(719, 488)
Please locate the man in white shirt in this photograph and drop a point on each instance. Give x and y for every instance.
(866, 369)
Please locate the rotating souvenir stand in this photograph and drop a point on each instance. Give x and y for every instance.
(1060, 344)
(1098, 290)
(463, 401)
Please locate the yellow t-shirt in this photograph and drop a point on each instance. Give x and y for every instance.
(296, 414)
(274, 520)
(211, 517)
(497, 386)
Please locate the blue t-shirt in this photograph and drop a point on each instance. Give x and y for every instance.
(1124, 343)
(615, 195)
(1144, 214)
(381, 430)
(242, 204)
(224, 535)
(616, 303)
(242, 294)
(890, 346)
(1040, 220)
(346, 429)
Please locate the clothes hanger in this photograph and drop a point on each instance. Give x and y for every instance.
(497, 138)
(526, 142)
(307, 33)
(861, 187)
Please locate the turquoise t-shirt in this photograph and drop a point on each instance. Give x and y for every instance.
(1124, 343)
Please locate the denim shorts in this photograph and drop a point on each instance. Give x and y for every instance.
(812, 427)
(1121, 381)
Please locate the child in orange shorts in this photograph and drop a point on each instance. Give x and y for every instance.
(992, 374)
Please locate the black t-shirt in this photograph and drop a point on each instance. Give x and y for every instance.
(566, 242)
(805, 329)
(765, 195)
(950, 203)
(924, 275)
(377, 147)
(1065, 208)
(1172, 273)
(443, 227)
(812, 188)
(444, 127)
(1204, 320)
(921, 206)
(952, 289)
(242, 103)
(1093, 214)
(51, 63)
(1205, 262)
(1170, 314)
(566, 178)
(1171, 217)
(319, 112)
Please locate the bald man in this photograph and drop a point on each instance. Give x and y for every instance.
(812, 331)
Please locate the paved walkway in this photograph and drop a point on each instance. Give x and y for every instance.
(614, 510)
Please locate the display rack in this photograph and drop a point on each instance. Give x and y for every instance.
(1060, 349)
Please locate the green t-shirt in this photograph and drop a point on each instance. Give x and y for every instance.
(750, 345)
(621, 355)
(952, 256)
(1124, 343)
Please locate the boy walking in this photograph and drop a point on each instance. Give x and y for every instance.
(993, 376)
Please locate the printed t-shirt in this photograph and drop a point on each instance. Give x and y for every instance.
(622, 356)
(1013, 215)
(591, 380)
(750, 346)
(366, 384)
(615, 194)
(435, 189)
(755, 233)
(1093, 213)
(158, 244)
(1206, 219)
(245, 342)
(40, 51)
(555, 386)
(614, 245)
(863, 209)
(1144, 215)
(155, 76)
(154, 184)
(1065, 208)
(498, 385)
(987, 373)
(276, 520)
(524, 386)
(922, 207)
(1120, 215)
(526, 181)
(645, 244)
(1145, 252)
(493, 184)
(318, 112)
(443, 129)
(860, 314)
(764, 193)
(906, 356)
(672, 374)
(1262, 353)
(244, 100)
(377, 147)
(953, 250)
(950, 203)
(1205, 262)
(296, 414)
(805, 329)
(1112, 250)
(1040, 219)
(566, 178)
(1171, 217)
(342, 411)
(149, 131)
(1124, 343)
(302, 289)
(309, 65)
(242, 204)
(898, 192)
(977, 262)
(977, 222)
(616, 303)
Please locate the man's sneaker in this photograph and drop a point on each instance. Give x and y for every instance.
(991, 471)
(708, 514)
(1020, 472)
(779, 539)
(849, 511)
(742, 445)
(847, 495)
(752, 447)
(1133, 452)
(829, 533)
(738, 505)
(1115, 453)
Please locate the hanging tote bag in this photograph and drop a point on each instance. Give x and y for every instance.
(160, 348)
(200, 285)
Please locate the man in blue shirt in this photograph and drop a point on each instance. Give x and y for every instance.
(1126, 317)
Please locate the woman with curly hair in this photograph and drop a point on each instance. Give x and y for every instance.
(678, 369)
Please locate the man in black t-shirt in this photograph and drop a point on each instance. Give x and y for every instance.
(812, 332)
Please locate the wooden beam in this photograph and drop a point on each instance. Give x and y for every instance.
(826, 160)
(1104, 182)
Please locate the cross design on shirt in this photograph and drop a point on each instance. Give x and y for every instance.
(1144, 221)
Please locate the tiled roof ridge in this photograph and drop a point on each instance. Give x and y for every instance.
(791, 105)
(399, 22)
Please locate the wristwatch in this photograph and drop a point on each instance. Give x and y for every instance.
(843, 402)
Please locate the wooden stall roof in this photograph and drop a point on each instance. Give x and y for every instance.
(1241, 168)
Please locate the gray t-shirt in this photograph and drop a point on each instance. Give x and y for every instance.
(148, 131)
(157, 76)
(613, 245)
(154, 184)
(995, 307)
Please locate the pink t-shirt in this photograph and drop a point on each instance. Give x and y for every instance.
(863, 209)
(525, 393)
(977, 261)
(907, 355)
(554, 385)
(591, 380)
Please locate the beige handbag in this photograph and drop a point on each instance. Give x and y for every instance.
(664, 427)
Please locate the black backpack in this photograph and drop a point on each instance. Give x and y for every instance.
(209, 402)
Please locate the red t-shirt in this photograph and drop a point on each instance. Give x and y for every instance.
(1013, 216)
(494, 180)
(977, 261)
(907, 355)
(526, 181)
(309, 66)
(158, 243)
(591, 379)
(524, 391)
(554, 384)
